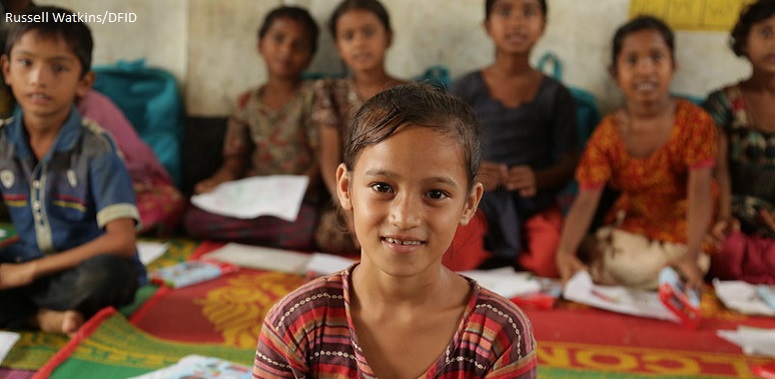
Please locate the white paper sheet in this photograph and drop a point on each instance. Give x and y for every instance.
(263, 258)
(505, 281)
(274, 195)
(7, 340)
(197, 366)
(753, 341)
(322, 264)
(742, 297)
(617, 299)
(3, 233)
(150, 251)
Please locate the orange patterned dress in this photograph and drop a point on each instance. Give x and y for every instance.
(653, 189)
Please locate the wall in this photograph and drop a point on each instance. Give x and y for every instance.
(210, 45)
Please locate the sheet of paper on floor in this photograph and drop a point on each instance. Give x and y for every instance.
(741, 296)
(753, 341)
(322, 264)
(7, 340)
(505, 281)
(150, 250)
(274, 195)
(581, 289)
(262, 258)
(197, 366)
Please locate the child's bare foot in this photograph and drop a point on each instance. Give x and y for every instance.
(60, 322)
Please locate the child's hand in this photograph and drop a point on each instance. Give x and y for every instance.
(722, 229)
(568, 264)
(687, 265)
(206, 186)
(767, 219)
(209, 184)
(14, 275)
(522, 179)
(491, 175)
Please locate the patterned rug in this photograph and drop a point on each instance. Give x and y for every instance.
(108, 346)
(226, 310)
(34, 349)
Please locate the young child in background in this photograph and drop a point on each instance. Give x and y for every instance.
(746, 164)
(271, 133)
(408, 180)
(659, 152)
(362, 33)
(159, 202)
(68, 192)
(529, 133)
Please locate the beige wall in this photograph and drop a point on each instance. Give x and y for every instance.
(210, 44)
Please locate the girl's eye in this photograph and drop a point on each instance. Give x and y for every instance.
(277, 38)
(657, 57)
(348, 35)
(766, 32)
(369, 32)
(381, 187)
(24, 62)
(504, 12)
(59, 68)
(437, 194)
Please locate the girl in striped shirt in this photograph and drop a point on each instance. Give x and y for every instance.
(408, 180)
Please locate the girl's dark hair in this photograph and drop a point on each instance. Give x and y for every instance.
(297, 14)
(372, 6)
(638, 24)
(76, 34)
(488, 4)
(752, 14)
(418, 104)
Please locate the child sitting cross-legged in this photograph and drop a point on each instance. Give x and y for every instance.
(67, 190)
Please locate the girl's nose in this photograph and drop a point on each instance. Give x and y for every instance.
(405, 212)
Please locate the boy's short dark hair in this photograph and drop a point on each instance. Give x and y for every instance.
(488, 4)
(422, 105)
(753, 13)
(297, 14)
(76, 34)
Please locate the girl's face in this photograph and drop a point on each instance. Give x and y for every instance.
(760, 45)
(286, 48)
(644, 67)
(515, 25)
(361, 40)
(407, 195)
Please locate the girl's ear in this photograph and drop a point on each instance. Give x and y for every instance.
(343, 187)
(612, 71)
(472, 203)
(389, 39)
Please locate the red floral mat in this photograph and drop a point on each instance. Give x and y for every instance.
(227, 310)
(573, 340)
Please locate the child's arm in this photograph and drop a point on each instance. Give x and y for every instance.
(724, 223)
(559, 174)
(330, 155)
(118, 239)
(697, 221)
(574, 229)
(233, 168)
(528, 181)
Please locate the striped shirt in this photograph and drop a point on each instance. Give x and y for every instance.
(310, 334)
